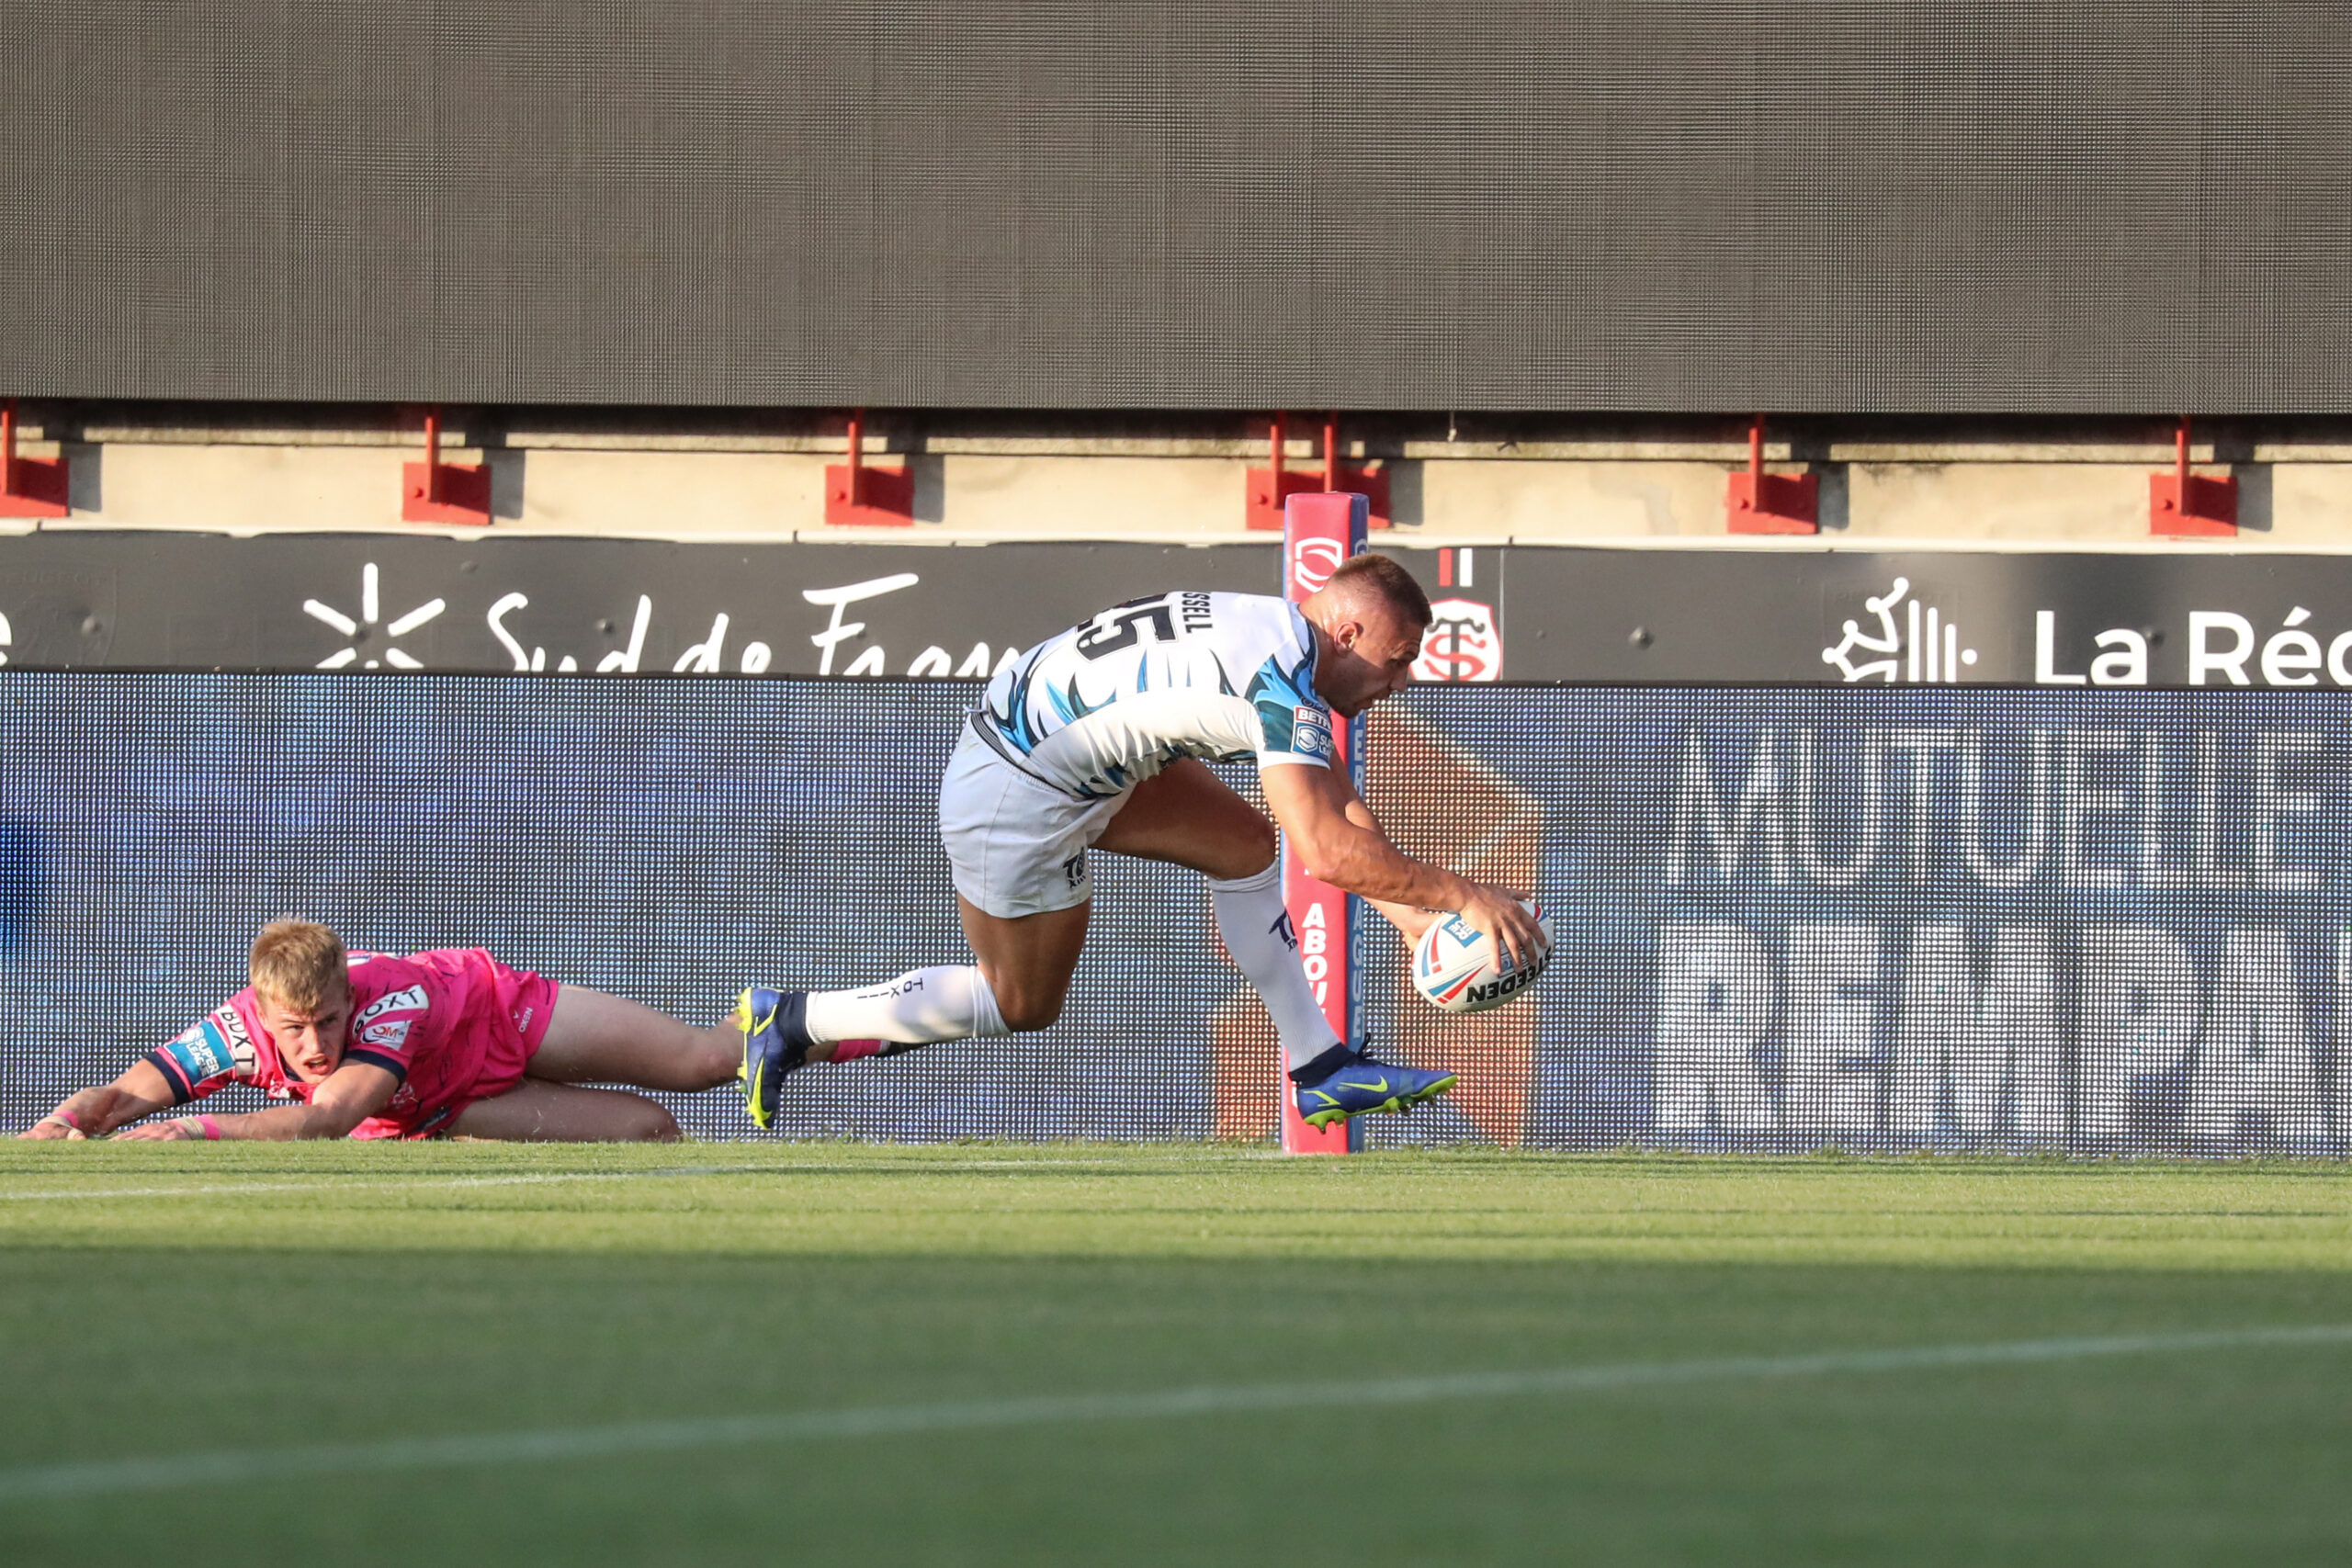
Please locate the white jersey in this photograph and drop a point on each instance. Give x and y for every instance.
(1113, 701)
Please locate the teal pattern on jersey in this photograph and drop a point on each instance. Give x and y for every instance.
(1280, 697)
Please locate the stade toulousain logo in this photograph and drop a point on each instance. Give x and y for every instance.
(1462, 644)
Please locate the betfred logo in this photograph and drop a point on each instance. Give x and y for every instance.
(1310, 731)
(1312, 562)
(1462, 644)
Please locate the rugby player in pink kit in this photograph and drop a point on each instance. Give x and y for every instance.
(445, 1042)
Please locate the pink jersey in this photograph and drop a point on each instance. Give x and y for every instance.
(452, 1023)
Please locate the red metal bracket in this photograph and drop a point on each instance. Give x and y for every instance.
(29, 486)
(1271, 487)
(2182, 504)
(1772, 503)
(435, 492)
(859, 496)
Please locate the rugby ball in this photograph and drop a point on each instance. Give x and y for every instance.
(1459, 968)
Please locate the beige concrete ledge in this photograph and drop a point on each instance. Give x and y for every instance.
(975, 497)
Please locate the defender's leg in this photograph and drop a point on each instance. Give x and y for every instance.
(537, 1111)
(596, 1038)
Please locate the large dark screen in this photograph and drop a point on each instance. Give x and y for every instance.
(2131, 206)
(1869, 918)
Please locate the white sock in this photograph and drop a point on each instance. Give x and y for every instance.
(918, 1009)
(1256, 928)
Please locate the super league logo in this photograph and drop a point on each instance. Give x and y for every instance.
(1313, 560)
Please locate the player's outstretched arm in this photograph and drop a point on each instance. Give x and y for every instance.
(348, 1096)
(1319, 809)
(94, 1113)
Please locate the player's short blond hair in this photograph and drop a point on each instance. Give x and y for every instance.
(1384, 577)
(299, 963)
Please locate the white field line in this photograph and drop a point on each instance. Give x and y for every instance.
(334, 1183)
(331, 1183)
(103, 1476)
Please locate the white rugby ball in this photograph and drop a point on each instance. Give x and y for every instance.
(1459, 968)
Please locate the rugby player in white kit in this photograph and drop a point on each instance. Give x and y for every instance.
(1093, 740)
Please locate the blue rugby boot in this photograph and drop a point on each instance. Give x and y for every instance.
(775, 1045)
(1341, 1083)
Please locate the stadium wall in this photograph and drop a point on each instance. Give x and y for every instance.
(704, 476)
(1853, 206)
(1868, 917)
(501, 603)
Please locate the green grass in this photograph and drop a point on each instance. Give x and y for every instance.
(236, 1299)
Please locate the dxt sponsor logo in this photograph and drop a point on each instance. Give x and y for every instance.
(390, 1001)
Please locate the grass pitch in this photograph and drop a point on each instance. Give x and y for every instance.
(976, 1354)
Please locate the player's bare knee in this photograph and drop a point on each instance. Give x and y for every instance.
(1256, 849)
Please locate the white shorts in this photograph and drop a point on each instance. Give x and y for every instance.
(1017, 846)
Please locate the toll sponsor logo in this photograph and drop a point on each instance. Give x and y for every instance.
(1462, 644)
(390, 1001)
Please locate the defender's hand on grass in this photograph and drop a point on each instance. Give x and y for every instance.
(1498, 912)
(156, 1132)
(49, 1130)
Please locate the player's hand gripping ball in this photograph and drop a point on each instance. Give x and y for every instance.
(1459, 968)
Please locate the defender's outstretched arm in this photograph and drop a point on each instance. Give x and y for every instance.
(348, 1096)
(94, 1113)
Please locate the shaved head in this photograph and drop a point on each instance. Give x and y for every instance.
(1362, 579)
(1368, 619)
